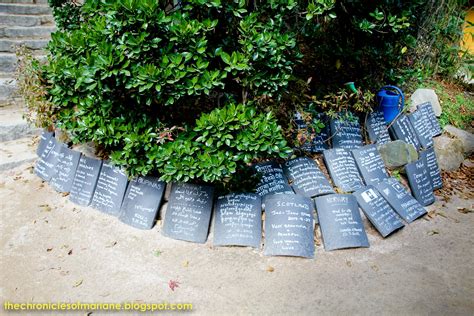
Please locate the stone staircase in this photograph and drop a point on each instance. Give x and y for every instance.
(29, 23)
(22, 22)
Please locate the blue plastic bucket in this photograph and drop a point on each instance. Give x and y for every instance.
(391, 102)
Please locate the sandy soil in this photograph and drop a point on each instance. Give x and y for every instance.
(53, 250)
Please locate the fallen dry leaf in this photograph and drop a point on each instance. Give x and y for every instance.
(270, 269)
(339, 190)
(49, 249)
(173, 284)
(465, 210)
(45, 208)
(78, 283)
(111, 244)
(186, 264)
(433, 232)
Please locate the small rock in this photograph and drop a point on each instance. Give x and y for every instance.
(465, 137)
(425, 95)
(397, 153)
(449, 151)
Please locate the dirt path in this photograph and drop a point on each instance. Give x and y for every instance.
(52, 250)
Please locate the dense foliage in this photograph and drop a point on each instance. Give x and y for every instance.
(197, 89)
(67, 13)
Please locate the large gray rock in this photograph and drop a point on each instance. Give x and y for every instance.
(465, 137)
(397, 153)
(425, 95)
(449, 151)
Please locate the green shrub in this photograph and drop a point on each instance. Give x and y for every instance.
(220, 141)
(138, 81)
(67, 13)
(155, 83)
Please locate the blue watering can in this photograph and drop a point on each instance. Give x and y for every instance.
(391, 102)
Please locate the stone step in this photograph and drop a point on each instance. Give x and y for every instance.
(31, 9)
(25, 1)
(8, 62)
(25, 20)
(12, 124)
(7, 89)
(16, 32)
(16, 152)
(10, 45)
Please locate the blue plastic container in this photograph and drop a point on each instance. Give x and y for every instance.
(391, 102)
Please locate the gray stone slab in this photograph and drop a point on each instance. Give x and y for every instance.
(343, 169)
(306, 178)
(272, 180)
(16, 32)
(430, 117)
(400, 199)
(238, 220)
(85, 180)
(65, 169)
(25, 20)
(289, 229)
(422, 129)
(189, 212)
(432, 164)
(340, 222)
(43, 142)
(142, 201)
(33, 9)
(377, 130)
(370, 164)
(346, 132)
(402, 129)
(420, 181)
(45, 166)
(378, 210)
(110, 189)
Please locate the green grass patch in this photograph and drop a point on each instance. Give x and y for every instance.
(456, 103)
